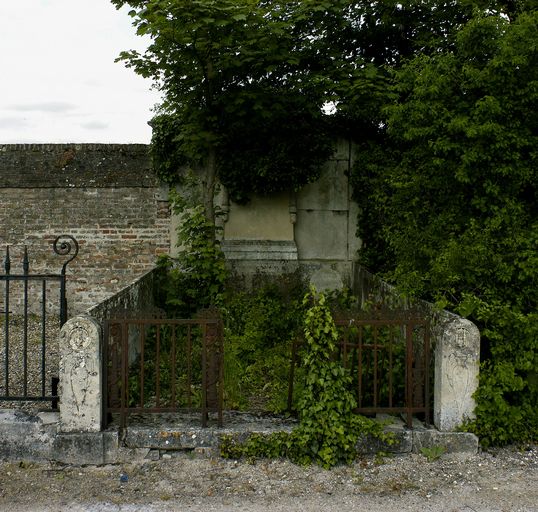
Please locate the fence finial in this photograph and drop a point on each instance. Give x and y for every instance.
(64, 248)
(7, 261)
(25, 262)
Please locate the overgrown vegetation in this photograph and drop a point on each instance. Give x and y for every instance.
(449, 206)
(196, 278)
(260, 327)
(439, 97)
(328, 430)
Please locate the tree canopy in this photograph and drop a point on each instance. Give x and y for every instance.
(246, 83)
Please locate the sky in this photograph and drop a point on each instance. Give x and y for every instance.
(58, 79)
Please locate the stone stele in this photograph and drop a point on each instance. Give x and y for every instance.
(80, 375)
(457, 361)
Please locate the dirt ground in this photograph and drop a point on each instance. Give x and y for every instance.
(501, 480)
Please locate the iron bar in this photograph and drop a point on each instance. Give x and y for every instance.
(359, 399)
(25, 269)
(409, 373)
(43, 335)
(7, 267)
(142, 370)
(386, 364)
(158, 363)
(124, 361)
(163, 336)
(391, 368)
(375, 395)
(22, 388)
(427, 363)
(204, 375)
(189, 366)
(63, 245)
(173, 364)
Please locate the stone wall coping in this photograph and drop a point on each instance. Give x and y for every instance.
(76, 165)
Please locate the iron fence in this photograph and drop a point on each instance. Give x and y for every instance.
(161, 365)
(389, 363)
(17, 383)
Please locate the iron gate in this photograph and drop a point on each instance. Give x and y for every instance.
(388, 360)
(16, 384)
(158, 365)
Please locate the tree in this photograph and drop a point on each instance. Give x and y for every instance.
(453, 198)
(226, 67)
(245, 82)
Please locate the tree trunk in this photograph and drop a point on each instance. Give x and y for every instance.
(208, 185)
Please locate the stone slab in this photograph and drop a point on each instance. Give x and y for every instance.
(260, 250)
(457, 359)
(454, 443)
(330, 192)
(79, 448)
(322, 235)
(24, 437)
(263, 218)
(326, 279)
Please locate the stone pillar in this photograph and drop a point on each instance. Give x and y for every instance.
(457, 358)
(80, 375)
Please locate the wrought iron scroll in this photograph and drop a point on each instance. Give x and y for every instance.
(63, 245)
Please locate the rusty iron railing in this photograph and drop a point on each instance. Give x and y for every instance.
(389, 362)
(161, 365)
(15, 385)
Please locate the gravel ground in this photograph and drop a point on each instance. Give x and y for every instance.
(501, 480)
(34, 354)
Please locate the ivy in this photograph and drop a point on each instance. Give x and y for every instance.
(328, 430)
(196, 278)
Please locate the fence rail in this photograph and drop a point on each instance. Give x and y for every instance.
(389, 363)
(163, 365)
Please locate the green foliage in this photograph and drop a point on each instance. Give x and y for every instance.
(260, 328)
(195, 279)
(172, 371)
(507, 397)
(433, 453)
(328, 429)
(449, 202)
(237, 91)
(277, 141)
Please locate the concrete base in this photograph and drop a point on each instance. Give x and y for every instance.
(37, 438)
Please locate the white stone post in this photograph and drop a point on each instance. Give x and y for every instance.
(457, 358)
(80, 375)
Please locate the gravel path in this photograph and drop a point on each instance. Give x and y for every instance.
(502, 480)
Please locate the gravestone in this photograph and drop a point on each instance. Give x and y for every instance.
(457, 358)
(80, 376)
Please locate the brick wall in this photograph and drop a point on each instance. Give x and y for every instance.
(104, 195)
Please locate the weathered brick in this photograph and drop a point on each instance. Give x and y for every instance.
(103, 195)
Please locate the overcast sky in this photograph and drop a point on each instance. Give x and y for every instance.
(58, 79)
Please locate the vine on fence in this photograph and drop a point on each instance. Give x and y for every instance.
(328, 430)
